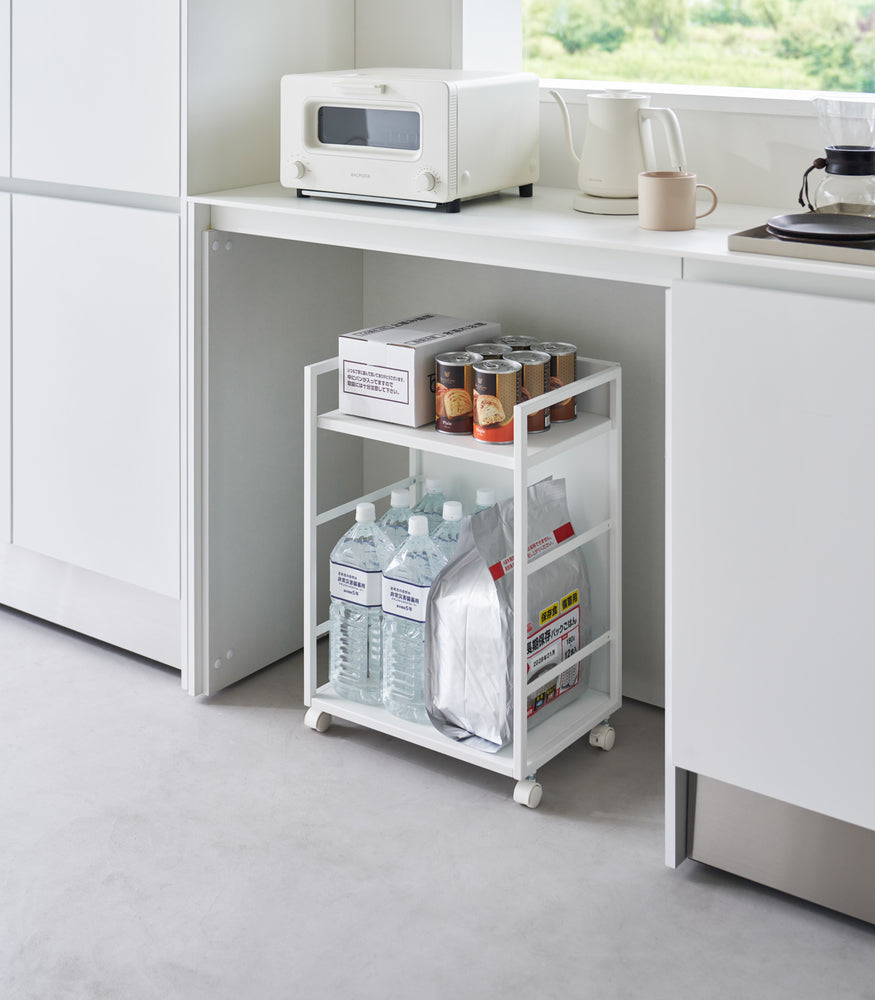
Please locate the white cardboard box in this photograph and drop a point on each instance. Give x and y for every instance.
(387, 372)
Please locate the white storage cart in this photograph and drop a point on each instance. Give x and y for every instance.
(529, 460)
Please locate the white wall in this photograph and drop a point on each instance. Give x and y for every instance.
(754, 156)
(234, 69)
(753, 148)
(604, 319)
(450, 34)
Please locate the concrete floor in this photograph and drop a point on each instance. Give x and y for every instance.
(156, 845)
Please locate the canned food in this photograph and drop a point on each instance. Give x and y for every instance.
(491, 351)
(517, 343)
(454, 392)
(497, 390)
(536, 381)
(563, 370)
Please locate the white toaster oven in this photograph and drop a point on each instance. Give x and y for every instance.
(423, 137)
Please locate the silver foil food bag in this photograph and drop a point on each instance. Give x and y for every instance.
(469, 622)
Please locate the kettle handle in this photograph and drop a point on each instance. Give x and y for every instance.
(566, 121)
(672, 132)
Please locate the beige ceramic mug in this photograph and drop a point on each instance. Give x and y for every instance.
(667, 200)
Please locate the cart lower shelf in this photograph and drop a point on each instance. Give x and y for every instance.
(588, 714)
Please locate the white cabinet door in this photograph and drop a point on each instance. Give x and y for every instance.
(772, 544)
(4, 87)
(96, 389)
(96, 93)
(5, 344)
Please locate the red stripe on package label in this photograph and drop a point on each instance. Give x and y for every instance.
(563, 532)
(499, 569)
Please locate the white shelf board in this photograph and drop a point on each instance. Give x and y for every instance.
(544, 741)
(542, 447)
(542, 233)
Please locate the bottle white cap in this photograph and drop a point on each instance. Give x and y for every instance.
(434, 486)
(400, 498)
(452, 510)
(365, 512)
(418, 525)
(485, 497)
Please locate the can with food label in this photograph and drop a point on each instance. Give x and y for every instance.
(497, 390)
(563, 370)
(454, 392)
(535, 382)
(517, 343)
(491, 351)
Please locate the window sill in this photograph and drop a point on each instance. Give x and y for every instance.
(738, 100)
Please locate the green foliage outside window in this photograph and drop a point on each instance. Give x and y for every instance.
(784, 44)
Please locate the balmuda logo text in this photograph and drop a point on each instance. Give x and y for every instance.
(353, 173)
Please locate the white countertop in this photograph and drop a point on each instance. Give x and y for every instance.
(541, 233)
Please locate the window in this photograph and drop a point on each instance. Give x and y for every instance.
(780, 44)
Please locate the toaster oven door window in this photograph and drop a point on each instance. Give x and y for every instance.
(379, 128)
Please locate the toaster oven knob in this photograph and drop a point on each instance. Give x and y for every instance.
(299, 169)
(426, 181)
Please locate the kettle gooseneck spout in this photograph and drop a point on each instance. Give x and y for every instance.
(563, 107)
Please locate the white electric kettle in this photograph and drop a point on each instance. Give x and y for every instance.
(618, 145)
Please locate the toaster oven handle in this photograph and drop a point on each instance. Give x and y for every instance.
(362, 88)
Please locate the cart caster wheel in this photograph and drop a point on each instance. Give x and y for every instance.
(317, 719)
(527, 793)
(602, 736)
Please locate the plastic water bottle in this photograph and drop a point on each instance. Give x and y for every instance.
(446, 534)
(394, 521)
(406, 581)
(432, 503)
(355, 637)
(485, 499)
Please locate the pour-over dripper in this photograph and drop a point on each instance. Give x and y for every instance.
(849, 186)
(846, 122)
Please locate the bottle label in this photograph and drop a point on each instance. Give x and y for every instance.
(355, 585)
(404, 600)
